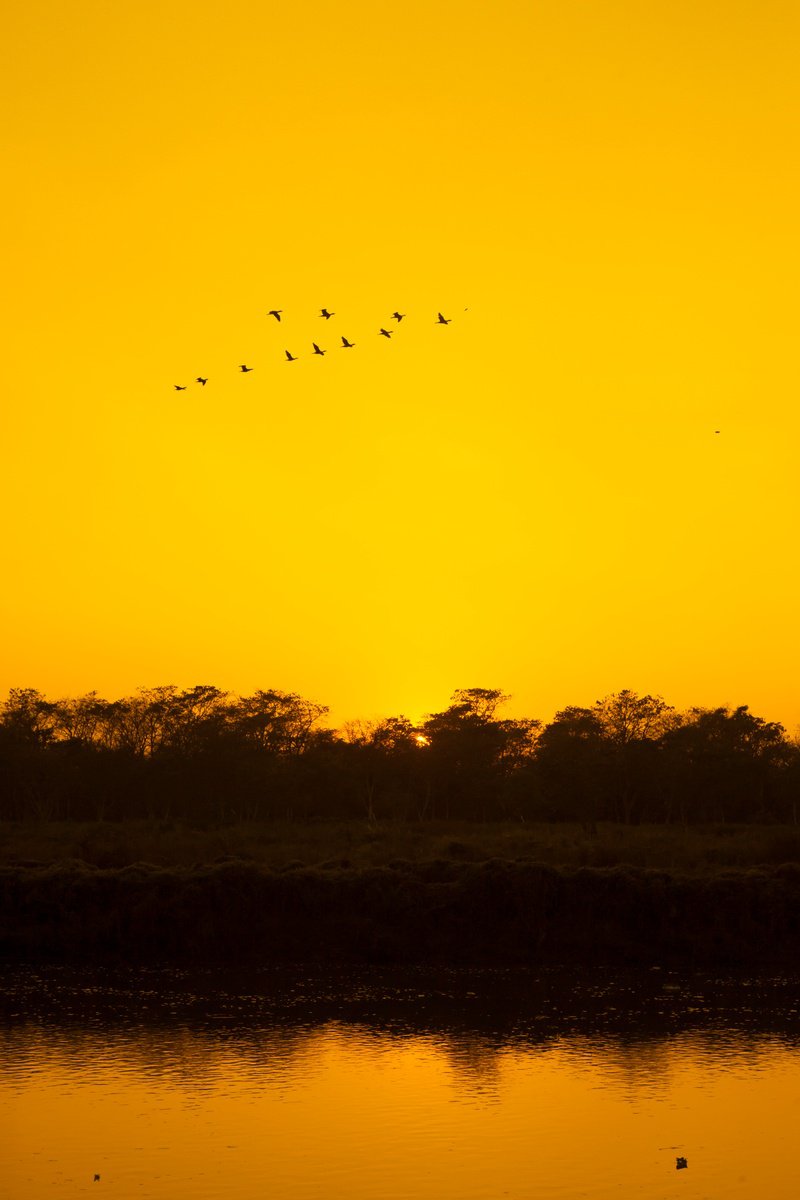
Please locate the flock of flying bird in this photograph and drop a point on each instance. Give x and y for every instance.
(326, 315)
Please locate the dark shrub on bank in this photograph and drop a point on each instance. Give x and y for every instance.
(443, 911)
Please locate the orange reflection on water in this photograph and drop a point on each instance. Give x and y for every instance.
(340, 1113)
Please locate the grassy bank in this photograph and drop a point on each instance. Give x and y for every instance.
(694, 849)
(437, 912)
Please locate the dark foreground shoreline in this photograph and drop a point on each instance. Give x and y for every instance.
(493, 913)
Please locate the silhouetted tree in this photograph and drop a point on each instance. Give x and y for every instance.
(384, 761)
(204, 756)
(469, 755)
(573, 766)
(28, 717)
(81, 719)
(721, 763)
(633, 727)
(279, 722)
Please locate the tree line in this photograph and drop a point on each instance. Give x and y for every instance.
(208, 757)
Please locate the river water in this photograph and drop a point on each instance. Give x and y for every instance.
(373, 1086)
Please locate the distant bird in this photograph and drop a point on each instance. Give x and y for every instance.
(347, 345)
(276, 313)
(317, 349)
(245, 369)
(201, 380)
(96, 1179)
(178, 387)
(289, 357)
(680, 1164)
(386, 333)
(443, 320)
(716, 431)
(327, 315)
(398, 316)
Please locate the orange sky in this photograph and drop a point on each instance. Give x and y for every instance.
(532, 498)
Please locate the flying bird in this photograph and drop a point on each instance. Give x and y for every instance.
(443, 320)
(327, 315)
(347, 345)
(276, 313)
(96, 1179)
(317, 349)
(178, 387)
(289, 357)
(398, 316)
(245, 369)
(386, 333)
(201, 380)
(680, 1163)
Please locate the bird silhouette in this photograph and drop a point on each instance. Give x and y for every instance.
(327, 315)
(443, 320)
(96, 1179)
(385, 333)
(680, 1163)
(178, 387)
(289, 357)
(347, 345)
(276, 313)
(398, 316)
(245, 369)
(201, 380)
(317, 349)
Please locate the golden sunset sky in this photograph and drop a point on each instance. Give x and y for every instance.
(533, 497)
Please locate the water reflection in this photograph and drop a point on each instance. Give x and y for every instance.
(365, 1087)
(476, 1065)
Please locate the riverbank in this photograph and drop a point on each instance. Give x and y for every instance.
(689, 849)
(495, 912)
